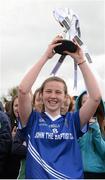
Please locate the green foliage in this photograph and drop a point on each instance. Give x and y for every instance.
(13, 92)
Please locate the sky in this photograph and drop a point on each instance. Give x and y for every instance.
(28, 26)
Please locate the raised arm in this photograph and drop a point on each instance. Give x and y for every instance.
(25, 101)
(89, 108)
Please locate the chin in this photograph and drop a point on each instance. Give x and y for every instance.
(53, 109)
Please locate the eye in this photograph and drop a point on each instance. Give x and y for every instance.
(48, 91)
(58, 92)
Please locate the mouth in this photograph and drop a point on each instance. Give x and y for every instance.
(17, 114)
(52, 102)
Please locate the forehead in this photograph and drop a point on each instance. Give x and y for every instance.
(38, 96)
(54, 85)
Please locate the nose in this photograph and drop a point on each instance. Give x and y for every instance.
(53, 95)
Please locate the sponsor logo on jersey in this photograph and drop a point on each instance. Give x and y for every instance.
(41, 120)
(55, 130)
(53, 135)
(54, 126)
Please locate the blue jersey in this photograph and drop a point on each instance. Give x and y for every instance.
(53, 149)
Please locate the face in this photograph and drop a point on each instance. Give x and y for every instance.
(15, 107)
(53, 97)
(65, 105)
(38, 102)
(84, 99)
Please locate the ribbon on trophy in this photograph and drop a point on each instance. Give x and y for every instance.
(71, 29)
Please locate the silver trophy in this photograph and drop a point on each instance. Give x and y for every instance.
(71, 29)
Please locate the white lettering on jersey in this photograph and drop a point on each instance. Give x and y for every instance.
(48, 135)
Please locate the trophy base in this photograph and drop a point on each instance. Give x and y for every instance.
(66, 45)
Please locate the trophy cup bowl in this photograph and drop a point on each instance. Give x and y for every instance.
(66, 45)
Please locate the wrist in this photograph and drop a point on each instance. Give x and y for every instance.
(82, 62)
(45, 57)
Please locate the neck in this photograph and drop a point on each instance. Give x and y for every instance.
(52, 113)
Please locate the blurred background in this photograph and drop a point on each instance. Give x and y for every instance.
(28, 26)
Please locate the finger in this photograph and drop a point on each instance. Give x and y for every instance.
(58, 38)
(75, 42)
(60, 35)
(53, 51)
(55, 45)
(67, 52)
